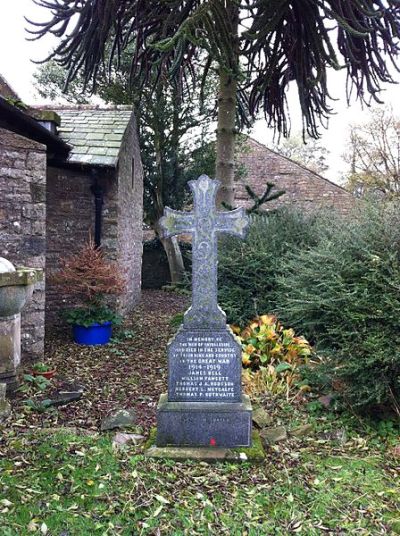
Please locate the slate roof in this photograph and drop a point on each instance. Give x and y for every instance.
(95, 133)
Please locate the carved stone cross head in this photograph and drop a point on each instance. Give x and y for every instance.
(203, 223)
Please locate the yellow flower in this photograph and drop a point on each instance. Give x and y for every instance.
(301, 341)
(270, 334)
(268, 320)
(277, 349)
(246, 359)
(288, 333)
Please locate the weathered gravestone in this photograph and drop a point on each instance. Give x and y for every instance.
(204, 406)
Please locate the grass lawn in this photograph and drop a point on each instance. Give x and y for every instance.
(341, 478)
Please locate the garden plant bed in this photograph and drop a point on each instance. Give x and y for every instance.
(59, 475)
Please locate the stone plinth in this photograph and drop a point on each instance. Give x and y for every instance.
(204, 424)
(253, 454)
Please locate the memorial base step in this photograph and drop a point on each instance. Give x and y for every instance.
(254, 454)
(203, 424)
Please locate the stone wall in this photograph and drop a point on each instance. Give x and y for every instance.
(70, 220)
(155, 268)
(130, 217)
(22, 225)
(304, 188)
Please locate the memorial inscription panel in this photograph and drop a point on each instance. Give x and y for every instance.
(204, 367)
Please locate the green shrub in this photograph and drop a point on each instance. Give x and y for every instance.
(40, 367)
(248, 269)
(344, 294)
(337, 281)
(176, 320)
(33, 384)
(40, 406)
(87, 316)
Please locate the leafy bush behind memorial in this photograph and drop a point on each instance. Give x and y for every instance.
(248, 270)
(337, 281)
(344, 293)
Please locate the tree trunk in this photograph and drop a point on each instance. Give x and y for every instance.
(175, 260)
(225, 162)
(227, 102)
(170, 245)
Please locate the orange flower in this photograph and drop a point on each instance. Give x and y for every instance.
(250, 349)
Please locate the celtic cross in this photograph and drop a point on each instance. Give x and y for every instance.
(203, 223)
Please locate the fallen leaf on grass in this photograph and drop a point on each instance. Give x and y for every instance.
(32, 525)
(162, 499)
(121, 439)
(157, 512)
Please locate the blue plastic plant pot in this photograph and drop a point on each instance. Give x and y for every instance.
(95, 334)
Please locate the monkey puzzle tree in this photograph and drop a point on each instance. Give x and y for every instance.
(257, 46)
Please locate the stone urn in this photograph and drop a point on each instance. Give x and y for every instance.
(16, 288)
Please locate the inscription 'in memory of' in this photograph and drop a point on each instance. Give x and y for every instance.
(204, 363)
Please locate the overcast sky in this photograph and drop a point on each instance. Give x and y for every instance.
(16, 66)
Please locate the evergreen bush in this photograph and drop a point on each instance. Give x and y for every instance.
(344, 294)
(248, 269)
(334, 279)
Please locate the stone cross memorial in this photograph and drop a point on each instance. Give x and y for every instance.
(204, 406)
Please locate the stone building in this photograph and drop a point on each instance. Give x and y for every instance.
(97, 189)
(66, 173)
(304, 188)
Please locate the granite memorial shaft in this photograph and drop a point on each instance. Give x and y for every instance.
(204, 405)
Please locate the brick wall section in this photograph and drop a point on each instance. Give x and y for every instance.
(304, 188)
(130, 216)
(70, 219)
(22, 225)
